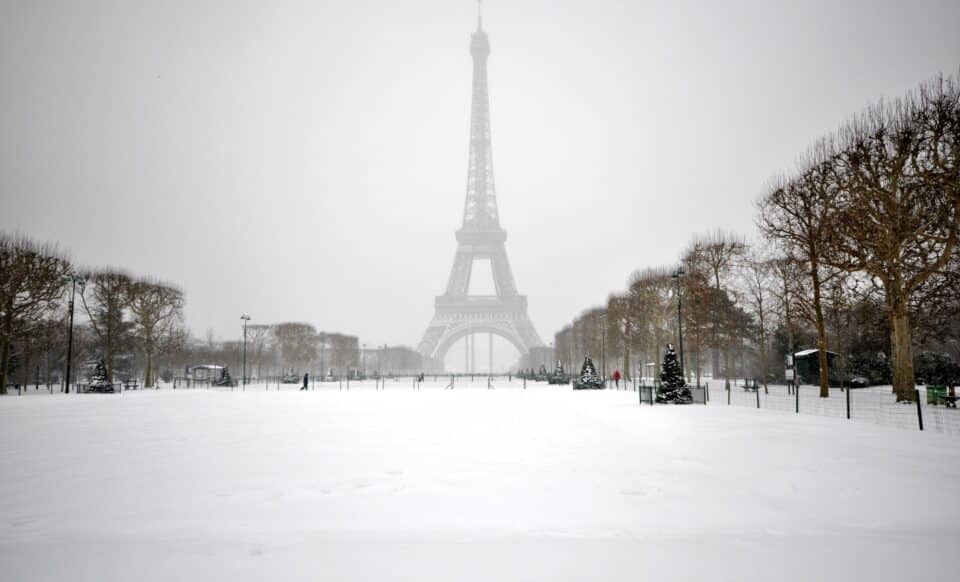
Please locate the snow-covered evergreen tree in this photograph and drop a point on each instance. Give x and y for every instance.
(225, 378)
(673, 387)
(98, 379)
(588, 376)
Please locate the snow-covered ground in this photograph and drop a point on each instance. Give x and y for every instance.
(469, 484)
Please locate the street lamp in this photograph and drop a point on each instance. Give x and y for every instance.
(676, 276)
(73, 279)
(245, 319)
(363, 356)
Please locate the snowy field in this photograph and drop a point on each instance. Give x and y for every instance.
(469, 484)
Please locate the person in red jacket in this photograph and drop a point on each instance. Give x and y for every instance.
(616, 378)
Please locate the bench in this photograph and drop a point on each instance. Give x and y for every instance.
(949, 401)
(105, 389)
(131, 385)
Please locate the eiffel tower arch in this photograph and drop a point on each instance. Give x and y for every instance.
(458, 314)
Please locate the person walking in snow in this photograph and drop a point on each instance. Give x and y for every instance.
(306, 379)
(616, 377)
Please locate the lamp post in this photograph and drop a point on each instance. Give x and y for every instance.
(363, 356)
(245, 319)
(676, 276)
(73, 279)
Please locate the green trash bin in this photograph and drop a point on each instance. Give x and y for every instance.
(934, 393)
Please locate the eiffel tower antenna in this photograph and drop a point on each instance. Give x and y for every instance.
(458, 314)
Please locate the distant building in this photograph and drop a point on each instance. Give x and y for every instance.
(398, 360)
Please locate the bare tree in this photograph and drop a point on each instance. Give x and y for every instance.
(32, 283)
(800, 213)
(257, 337)
(651, 293)
(297, 344)
(620, 329)
(103, 295)
(344, 352)
(757, 271)
(563, 347)
(157, 310)
(788, 274)
(839, 307)
(900, 201)
(718, 252)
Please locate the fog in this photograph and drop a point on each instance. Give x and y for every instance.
(307, 160)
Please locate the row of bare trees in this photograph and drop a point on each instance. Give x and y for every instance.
(130, 322)
(878, 202)
(125, 315)
(128, 314)
(277, 349)
(860, 242)
(631, 330)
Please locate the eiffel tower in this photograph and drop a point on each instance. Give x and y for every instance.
(457, 313)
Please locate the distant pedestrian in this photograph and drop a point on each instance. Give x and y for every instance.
(616, 377)
(306, 379)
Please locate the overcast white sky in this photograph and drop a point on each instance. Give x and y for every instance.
(307, 160)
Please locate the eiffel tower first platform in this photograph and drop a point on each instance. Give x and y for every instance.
(457, 313)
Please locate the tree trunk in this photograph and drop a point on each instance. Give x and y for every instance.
(626, 360)
(148, 369)
(715, 368)
(27, 360)
(108, 348)
(821, 332)
(697, 362)
(763, 358)
(5, 354)
(902, 352)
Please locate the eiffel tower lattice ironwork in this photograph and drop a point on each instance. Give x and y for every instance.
(457, 313)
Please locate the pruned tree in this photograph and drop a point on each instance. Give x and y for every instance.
(31, 285)
(157, 315)
(651, 292)
(296, 343)
(899, 178)
(758, 280)
(718, 253)
(344, 352)
(257, 336)
(620, 330)
(103, 295)
(799, 213)
(699, 304)
(563, 346)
